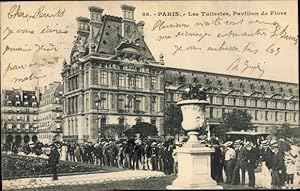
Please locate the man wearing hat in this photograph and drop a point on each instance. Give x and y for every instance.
(229, 161)
(240, 153)
(53, 160)
(250, 161)
(278, 166)
(266, 157)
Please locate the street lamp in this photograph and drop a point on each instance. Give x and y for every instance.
(97, 102)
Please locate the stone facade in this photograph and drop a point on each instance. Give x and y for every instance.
(50, 113)
(19, 116)
(270, 103)
(112, 78)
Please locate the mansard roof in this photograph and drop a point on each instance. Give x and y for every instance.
(106, 34)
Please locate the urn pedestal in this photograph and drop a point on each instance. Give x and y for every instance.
(194, 166)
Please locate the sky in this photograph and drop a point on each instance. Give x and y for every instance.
(248, 37)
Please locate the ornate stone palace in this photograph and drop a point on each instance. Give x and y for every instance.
(270, 103)
(114, 79)
(19, 116)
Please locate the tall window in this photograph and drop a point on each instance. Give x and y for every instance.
(121, 80)
(266, 115)
(103, 78)
(153, 82)
(103, 102)
(131, 81)
(153, 103)
(230, 101)
(121, 102)
(138, 81)
(102, 122)
(137, 104)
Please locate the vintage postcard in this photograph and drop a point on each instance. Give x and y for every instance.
(105, 95)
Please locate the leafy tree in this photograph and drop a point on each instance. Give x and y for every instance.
(142, 128)
(237, 120)
(112, 131)
(173, 120)
(285, 131)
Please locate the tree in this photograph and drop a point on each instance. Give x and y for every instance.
(142, 128)
(285, 131)
(112, 131)
(173, 120)
(237, 120)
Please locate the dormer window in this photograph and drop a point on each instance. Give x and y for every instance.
(60, 92)
(230, 84)
(9, 102)
(17, 97)
(25, 96)
(34, 104)
(57, 100)
(26, 103)
(220, 83)
(207, 81)
(252, 86)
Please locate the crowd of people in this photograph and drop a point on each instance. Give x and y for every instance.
(277, 160)
(229, 163)
(132, 154)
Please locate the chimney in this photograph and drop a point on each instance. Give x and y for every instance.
(83, 24)
(140, 27)
(128, 12)
(95, 25)
(95, 14)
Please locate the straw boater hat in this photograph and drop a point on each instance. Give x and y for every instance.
(247, 144)
(228, 143)
(154, 143)
(237, 142)
(264, 142)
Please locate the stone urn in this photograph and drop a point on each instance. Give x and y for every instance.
(194, 164)
(194, 118)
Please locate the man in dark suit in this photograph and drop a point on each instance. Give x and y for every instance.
(278, 167)
(53, 160)
(251, 158)
(240, 154)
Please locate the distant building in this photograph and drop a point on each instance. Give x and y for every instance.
(270, 103)
(19, 116)
(112, 79)
(50, 113)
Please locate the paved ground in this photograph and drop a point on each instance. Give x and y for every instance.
(79, 179)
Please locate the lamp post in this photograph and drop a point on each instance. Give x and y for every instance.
(97, 102)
